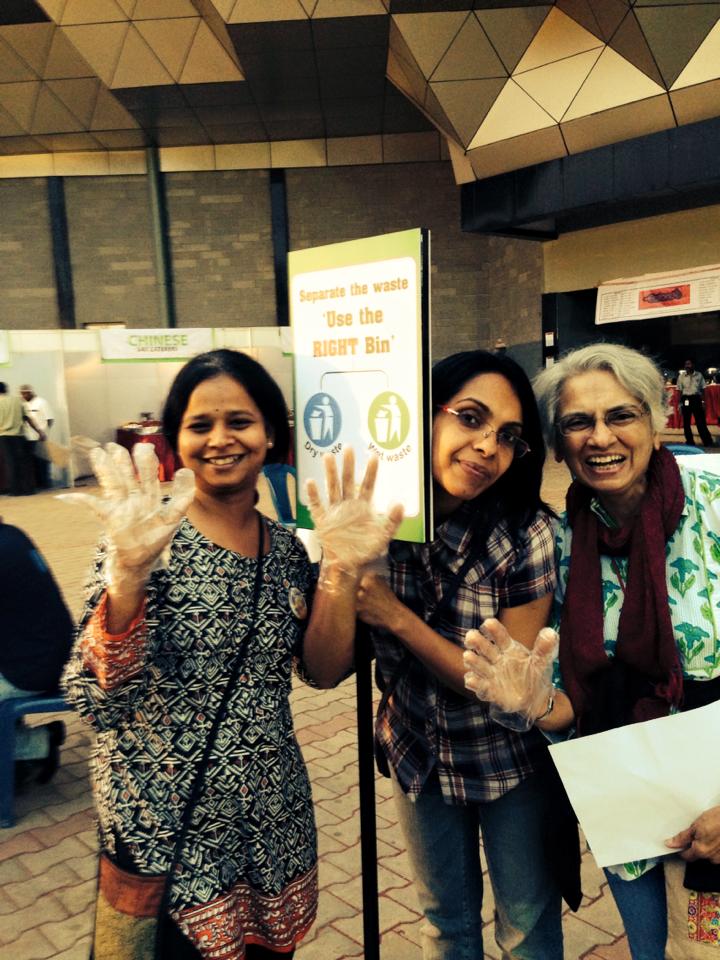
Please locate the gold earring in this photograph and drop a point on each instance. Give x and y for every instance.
(270, 444)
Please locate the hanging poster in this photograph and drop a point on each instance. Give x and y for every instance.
(658, 294)
(360, 319)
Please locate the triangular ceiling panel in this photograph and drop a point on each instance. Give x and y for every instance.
(675, 33)
(31, 41)
(348, 8)
(705, 64)
(51, 116)
(511, 30)
(440, 119)
(208, 61)
(611, 83)
(12, 68)
(110, 114)
(558, 37)
(470, 56)
(100, 44)
(138, 66)
(79, 96)
(224, 7)
(53, 8)
(258, 11)
(555, 85)
(163, 9)
(64, 61)
(91, 11)
(9, 127)
(466, 103)
(127, 6)
(428, 35)
(609, 14)
(18, 100)
(582, 13)
(512, 114)
(170, 40)
(630, 42)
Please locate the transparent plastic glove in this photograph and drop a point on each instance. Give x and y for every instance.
(350, 532)
(138, 524)
(514, 680)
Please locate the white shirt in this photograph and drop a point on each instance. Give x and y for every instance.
(40, 411)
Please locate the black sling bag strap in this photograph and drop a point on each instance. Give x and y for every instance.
(212, 736)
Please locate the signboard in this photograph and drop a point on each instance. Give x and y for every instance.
(659, 294)
(163, 344)
(360, 319)
(4, 348)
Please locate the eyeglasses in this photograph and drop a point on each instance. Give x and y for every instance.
(617, 420)
(475, 421)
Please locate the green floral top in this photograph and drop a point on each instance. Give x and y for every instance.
(693, 575)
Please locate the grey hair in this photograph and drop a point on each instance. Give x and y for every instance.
(637, 373)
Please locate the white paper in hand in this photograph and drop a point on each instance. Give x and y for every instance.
(633, 787)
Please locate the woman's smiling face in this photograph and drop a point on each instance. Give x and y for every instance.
(223, 438)
(612, 460)
(467, 462)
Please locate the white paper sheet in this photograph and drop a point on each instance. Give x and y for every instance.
(634, 787)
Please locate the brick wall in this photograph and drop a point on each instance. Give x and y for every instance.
(27, 278)
(221, 242)
(111, 250)
(221, 248)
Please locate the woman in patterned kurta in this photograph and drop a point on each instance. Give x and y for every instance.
(637, 604)
(152, 662)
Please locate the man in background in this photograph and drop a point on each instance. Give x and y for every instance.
(42, 415)
(14, 450)
(36, 635)
(691, 385)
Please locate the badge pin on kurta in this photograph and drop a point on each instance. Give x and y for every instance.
(298, 603)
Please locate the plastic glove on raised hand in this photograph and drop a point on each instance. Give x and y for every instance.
(515, 681)
(350, 532)
(139, 523)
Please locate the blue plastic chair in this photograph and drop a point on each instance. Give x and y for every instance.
(10, 712)
(276, 475)
(682, 449)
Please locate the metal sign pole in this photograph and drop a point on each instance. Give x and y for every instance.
(366, 768)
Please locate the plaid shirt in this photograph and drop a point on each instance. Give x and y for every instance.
(426, 725)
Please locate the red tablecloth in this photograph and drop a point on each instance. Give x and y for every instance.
(712, 403)
(674, 420)
(165, 455)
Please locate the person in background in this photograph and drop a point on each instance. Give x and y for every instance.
(42, 416)
(637, 608)
(168, 653)
(456, 774)
(691, 385)
(13, 445)
(36, 635)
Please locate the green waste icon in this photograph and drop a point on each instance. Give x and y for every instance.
(389, 420)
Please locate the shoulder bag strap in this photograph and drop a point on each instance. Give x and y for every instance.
(197, 785)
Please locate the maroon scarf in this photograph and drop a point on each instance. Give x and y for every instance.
(645, 643)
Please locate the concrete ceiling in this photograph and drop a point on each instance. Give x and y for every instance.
(508, 83)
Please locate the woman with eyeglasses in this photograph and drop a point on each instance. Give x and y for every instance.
(637, 606)
(455, 773)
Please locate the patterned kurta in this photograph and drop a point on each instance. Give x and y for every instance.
(693, 583)
(247, 871)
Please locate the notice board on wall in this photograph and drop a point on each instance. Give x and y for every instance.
(361, 330)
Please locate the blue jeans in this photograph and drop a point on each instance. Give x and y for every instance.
(31, 743)
(444, 850)
(643, 907)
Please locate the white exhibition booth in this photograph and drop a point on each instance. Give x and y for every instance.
(93, 395)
